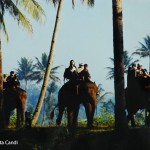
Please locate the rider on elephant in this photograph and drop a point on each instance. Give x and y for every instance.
(71, 72)
(85, 75)
(13, 81)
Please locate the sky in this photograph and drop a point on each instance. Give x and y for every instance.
(85, 35)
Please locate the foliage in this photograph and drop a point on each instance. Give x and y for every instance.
(101, 97)
(144, 50)
(105, 118)
(40, 67)
(12, 7)
(13, 119)
(128, 60)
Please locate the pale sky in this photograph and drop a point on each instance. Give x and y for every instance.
(85, 35)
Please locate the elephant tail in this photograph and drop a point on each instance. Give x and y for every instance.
(52, 112)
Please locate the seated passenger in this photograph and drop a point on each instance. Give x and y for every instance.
(12, 80)
(139, 70)
(85, 75)
(145, 73)
(79, 70)
(5, 81)
(71, 72)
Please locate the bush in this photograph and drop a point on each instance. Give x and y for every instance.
(104, 119)
(13, 119)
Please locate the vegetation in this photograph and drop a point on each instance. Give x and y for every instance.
(128, 61)
(144, 49)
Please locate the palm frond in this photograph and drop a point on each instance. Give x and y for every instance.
(18, 15)
(33, 8)
(3, 26)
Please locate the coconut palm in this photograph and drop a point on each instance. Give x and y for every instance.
(144, 50)
(10, 6)
(25, 67)
(40, 66)
(128, 61)
(50, 60)
(101, 97)
(121, 125)
(49, 64)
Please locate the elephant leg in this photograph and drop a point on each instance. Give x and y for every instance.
(22, 117)
(88, 113)
(69, 117)
(59, 118)
(93, 105)
(75, 115)
(18, 117)
(130, 117)
(7, 118)
(147, 118)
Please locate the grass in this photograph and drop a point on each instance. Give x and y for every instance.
(58, 138)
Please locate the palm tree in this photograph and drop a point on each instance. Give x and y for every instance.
(25, 68)
(144, 50)
(101, 97)
(128, 61)
(48, 68)
(121, 125)
(40, 67)
(50, 60)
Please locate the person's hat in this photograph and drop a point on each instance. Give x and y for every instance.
(133, 65)
(11, 72)
(139, 65)
(81, 64)
(85, 65)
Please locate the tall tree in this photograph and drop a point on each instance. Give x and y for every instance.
(40, 67)
(48, 68)
(121, 125)
(25, 67)
(128, 61)
(144, 50)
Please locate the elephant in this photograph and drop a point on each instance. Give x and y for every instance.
(13, 98)
(71, 95)
(138, 97)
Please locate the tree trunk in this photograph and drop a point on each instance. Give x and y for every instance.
(1, 75)
(121, 125)
(48, 68)
(1, 86)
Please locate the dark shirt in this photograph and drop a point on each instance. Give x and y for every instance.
(70, 75)
(12, 82)
(85, 75)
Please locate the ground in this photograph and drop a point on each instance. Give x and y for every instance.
(58, 138)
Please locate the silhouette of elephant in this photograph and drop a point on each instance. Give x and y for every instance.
(71, 95)
(138, 97)
(13, 98)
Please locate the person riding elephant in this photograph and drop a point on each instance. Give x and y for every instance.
(85, 75)
(12, 80)
(71, 72)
